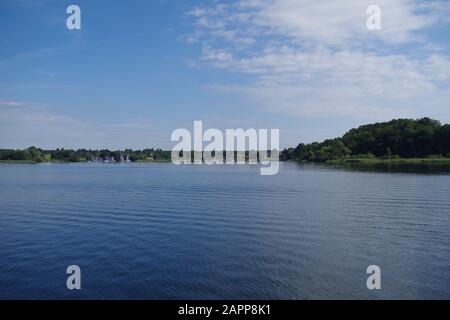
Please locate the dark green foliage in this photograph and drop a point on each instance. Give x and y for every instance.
(397, 138)
(327, 150)
(81, 155)
(31, 154)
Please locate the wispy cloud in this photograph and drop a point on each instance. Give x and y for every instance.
(317, 58)
(14, 104)
(11, 104)
(42, 52)
(45, 87)
(23, 124)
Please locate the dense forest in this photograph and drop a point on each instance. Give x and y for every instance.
(402, 138)
(34, 154)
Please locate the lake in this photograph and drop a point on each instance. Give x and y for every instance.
(160, 231)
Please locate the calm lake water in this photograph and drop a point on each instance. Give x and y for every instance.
(159, 231)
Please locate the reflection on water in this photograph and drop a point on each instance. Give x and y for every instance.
(419, 168)
(159, 231)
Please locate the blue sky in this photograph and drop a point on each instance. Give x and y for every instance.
(137, 70)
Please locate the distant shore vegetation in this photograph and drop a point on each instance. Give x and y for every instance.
(36, 155)
(398, 141)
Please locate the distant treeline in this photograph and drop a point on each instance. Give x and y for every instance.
(403, 138)
(34, 154)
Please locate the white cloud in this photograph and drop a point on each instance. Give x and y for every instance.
(11, 104)
(315, 58)
(14, 104)
(332, 23)
(218, 56)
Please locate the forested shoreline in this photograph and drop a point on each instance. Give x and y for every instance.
(37, 155)
(396, 139)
